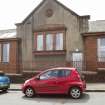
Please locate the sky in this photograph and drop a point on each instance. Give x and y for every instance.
(14, 11)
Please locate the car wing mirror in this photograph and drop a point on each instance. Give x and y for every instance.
(37, 78)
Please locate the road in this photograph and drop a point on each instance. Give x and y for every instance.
(18, 98)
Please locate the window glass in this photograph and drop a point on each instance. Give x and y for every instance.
(77, 56)
(59, 41)
(67, 72)
(102, 42)
(50, 74)
(6, 48)
(101, 50)
(61, 73)
(46, 75)
(40, 42)
(49, 42)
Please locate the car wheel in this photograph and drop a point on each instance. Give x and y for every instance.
(4, 90)
(75, 92)
(29, 92)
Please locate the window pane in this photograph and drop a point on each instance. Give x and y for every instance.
(102, 42)
(46, 75)
(6, 48)
(59, 41)
(77, 56)
(67, 72)
(49, 42)
(40, 42)
(101, 50)
(61, 73)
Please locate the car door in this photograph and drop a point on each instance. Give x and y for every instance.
(62, 80)
(47, 82)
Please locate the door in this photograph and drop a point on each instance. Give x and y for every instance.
(77, 60)
(47, 82)
(63, 80)
(54, 81)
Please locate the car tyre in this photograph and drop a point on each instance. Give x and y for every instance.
(4, 90)
(75, 92)
(29, 92)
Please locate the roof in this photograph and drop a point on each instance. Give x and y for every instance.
(9, 33)
(97, 26)
(63, 5)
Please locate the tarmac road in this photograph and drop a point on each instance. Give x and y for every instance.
(18, 98)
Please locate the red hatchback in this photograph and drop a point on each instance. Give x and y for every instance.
(55, 81)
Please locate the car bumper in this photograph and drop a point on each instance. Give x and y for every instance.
(84, 86)
(4, 86)
(23, 88)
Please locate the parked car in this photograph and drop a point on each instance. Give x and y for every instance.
(4, 81)
(61, 80)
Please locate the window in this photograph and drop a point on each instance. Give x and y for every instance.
(101, 49)
(76, 56)
(59, 41)
(40, 42)
(77, 60)
(55, 73)
(45, 76)
(5, 52)
(49, 41)
(67, 72)
(61, 73)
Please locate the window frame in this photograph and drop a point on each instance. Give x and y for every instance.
(59, 47)
(99, 49)
(2, 44)
(38, 47)
(54, 33)
(65, 74)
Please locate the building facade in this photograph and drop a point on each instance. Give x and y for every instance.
(94, 50)
(9, 51)
(51, 36)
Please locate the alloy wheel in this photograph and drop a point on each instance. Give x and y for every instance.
(75, 93)
(29, 92)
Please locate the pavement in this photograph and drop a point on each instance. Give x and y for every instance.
(91, 87)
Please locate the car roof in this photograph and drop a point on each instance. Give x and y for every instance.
(59, 68)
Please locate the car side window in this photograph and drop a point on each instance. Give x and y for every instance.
(54, 73)
(61, 73)
(45, 75)
(67, 72)
(48, 75)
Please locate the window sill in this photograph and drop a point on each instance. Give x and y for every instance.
(4, 63)
(58, 52)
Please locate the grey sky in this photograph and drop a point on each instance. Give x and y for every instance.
(14, 11)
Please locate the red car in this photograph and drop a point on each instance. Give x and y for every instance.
(61, 80)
